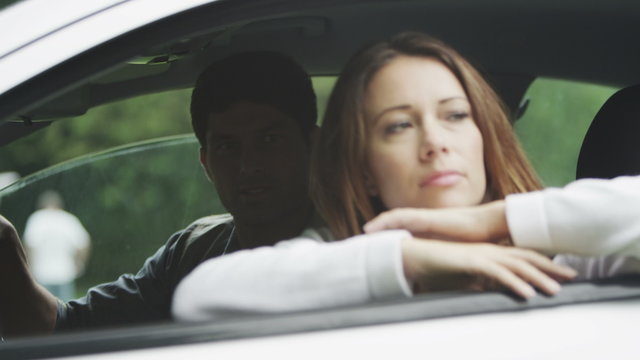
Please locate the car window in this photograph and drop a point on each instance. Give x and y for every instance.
(151, 188)
(556, 119)
(101, 128)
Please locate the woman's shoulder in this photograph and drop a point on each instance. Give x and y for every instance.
(320, 234)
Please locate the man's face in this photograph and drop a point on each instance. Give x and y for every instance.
(258, 160)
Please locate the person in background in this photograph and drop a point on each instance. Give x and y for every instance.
(57, 246)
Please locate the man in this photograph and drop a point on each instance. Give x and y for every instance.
(253, 114)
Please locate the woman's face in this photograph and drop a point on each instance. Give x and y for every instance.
(424, 150)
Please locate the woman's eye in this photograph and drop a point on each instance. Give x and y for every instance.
(458, 115)
(397, 127)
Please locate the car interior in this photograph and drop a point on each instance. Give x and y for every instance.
(513, 45)
(510, 48)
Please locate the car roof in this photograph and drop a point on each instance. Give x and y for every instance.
(37, 14)
(79, 25)
(511, 41)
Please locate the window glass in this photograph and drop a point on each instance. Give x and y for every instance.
(554, 124)
(100, 128)
(130, 200)
(115, 124)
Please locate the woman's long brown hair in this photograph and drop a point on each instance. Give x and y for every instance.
(339, 161)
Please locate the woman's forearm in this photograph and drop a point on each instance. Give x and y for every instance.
(588, 217)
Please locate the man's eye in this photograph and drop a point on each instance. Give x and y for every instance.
(270, 138)
(397, 127)
(223, 146)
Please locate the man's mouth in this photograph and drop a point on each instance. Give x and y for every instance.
(254, 190)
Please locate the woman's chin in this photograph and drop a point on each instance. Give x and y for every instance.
(436, 199)
(452, 200)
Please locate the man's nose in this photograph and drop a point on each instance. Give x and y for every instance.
(251, 159)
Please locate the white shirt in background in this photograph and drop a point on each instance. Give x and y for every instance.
(54, 237)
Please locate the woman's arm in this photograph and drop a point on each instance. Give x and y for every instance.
(303, 274)
(298, 274)
(587, 217)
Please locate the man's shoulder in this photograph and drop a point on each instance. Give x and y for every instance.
(212, 221)
(204, 238)
(211, 225)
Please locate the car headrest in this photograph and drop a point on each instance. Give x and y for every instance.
(611, 146)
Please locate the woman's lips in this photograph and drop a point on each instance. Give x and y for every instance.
(441, 178)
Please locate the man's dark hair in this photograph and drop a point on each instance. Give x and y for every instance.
(263, 77)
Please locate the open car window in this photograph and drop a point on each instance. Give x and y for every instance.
(135, 196)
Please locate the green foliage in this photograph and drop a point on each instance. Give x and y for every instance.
(104, 127)
(323, 85)
(130, 200)
(555, 123)
(5, 3)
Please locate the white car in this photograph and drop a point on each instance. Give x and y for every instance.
(67, 58)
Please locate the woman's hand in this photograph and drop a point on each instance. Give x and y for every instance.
(483, 223)
(438, 265)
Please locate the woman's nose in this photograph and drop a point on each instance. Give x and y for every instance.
(432, 143)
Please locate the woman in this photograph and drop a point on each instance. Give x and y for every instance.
(409, 124)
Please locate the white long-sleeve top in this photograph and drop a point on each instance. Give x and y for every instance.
(588, 217)
(299, 274)
(593, 224)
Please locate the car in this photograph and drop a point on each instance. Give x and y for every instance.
(71, 58)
